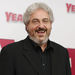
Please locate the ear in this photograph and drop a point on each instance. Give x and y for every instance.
(26, 28)
(51, 25)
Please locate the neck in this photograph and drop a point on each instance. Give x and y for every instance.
(38, 41)
(43, 46)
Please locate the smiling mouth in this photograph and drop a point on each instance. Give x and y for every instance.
(41, 32)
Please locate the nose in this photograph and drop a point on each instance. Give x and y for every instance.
(41, 25)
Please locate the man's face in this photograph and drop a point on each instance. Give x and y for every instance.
(39, 27)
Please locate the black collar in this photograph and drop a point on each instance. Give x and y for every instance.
(36, 45)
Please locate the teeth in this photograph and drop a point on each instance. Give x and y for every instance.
(41, 31)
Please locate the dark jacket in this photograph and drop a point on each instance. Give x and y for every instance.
(19, 59)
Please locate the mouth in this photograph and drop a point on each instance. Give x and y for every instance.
(41, 32)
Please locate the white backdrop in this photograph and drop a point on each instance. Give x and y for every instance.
(63, 31)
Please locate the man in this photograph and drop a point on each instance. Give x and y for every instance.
(36, 55)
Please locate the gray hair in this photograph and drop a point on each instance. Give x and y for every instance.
(33, 7)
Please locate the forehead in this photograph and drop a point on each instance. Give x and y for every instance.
(39, 14)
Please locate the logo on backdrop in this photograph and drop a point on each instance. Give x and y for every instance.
(0, 47)
(4, 42)
(72, 60)
(70, 8)
(13, 17)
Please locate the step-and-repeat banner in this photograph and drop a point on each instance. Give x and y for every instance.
(12, 28)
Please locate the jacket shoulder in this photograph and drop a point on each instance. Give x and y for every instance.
(59, 49)
(57, 46)
(12, 48)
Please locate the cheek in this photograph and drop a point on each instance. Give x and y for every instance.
(49, 28)
(31, 29)
(34, 28)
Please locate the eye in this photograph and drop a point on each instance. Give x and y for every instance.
(45, 20)
(35, 21)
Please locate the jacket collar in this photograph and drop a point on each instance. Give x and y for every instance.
(29, 43)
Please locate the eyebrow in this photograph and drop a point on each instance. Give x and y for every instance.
(46, 18)
(35, 19)
(38, 19)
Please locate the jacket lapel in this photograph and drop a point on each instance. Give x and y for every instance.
(53, 65)
(54, 60)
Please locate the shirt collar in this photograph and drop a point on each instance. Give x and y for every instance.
(36, 45)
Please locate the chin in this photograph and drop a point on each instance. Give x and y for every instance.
(39, 40)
